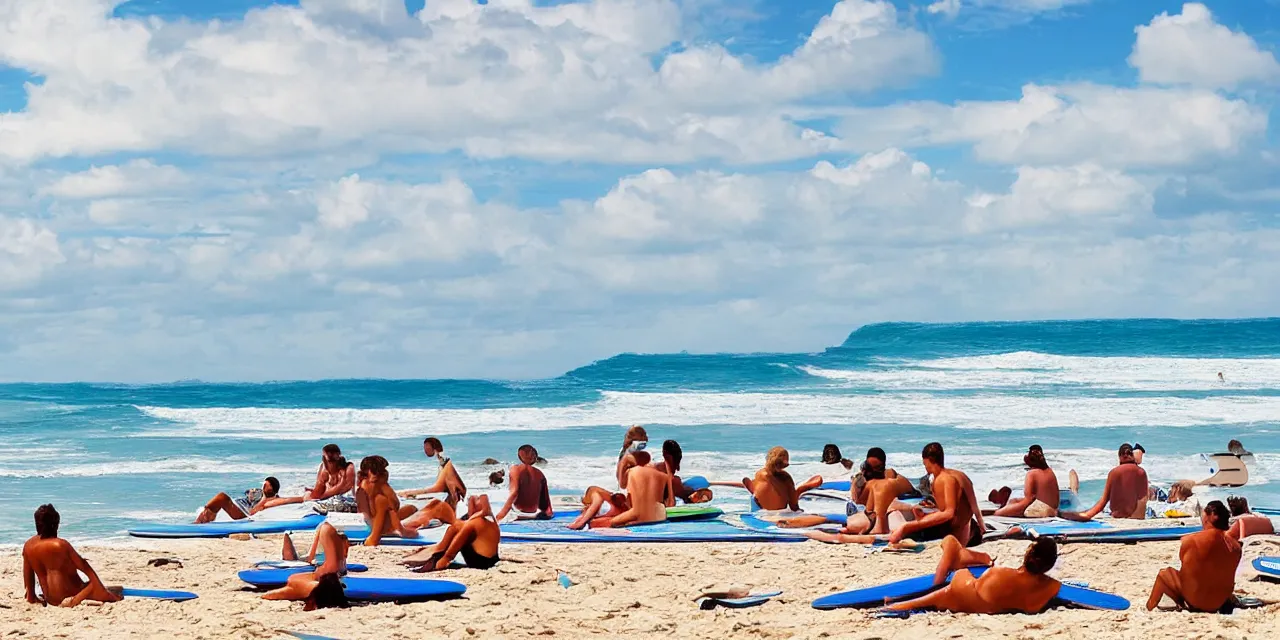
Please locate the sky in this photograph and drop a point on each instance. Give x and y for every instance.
(512, 188)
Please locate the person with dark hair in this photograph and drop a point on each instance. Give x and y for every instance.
(1207, 579)
(831, 455)
(1027, 589)
(672, 456)
(1245, 523)
(1127, 491)
(957, 514)
(447, 481)
(335, 484)
(476, 537)
(529, 493)
(877, 487)
(252, 502)
(649, 492)
(1040, 495)
(321, 588)
(380, 505)
(55, 565)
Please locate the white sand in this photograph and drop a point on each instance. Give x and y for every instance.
(637, 590)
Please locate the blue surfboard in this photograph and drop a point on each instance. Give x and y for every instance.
(224, 529)
(687, 531)
(1268, 566)
(391, 589)
(1149, 534)
(1068, 595)
(159, 594)
(836, 485)
(301, 565)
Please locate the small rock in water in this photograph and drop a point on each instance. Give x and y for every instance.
(490, 461)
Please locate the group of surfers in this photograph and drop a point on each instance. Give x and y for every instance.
(949, 511)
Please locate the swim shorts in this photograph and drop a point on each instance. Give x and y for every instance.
(344, 503)
(1038, 509)
(248, 501)
(477, 561)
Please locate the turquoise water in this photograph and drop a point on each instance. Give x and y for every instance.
(110, 456)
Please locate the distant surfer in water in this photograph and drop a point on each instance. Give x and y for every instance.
(1220, 378)
(1209, 558)
(1126, 491)
(253, 501)
(476, 537)
(321, 588)
(55, 565)
(447, 481)
(1040, 494)
(529, 494)
(1026, 589)
(380, 505)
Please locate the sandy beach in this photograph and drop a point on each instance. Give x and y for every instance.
(623, 589)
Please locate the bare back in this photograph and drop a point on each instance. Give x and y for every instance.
(1008, 590)
(1043, 484)
(646, 487)
(952, 485)
(1209, 562)
(1128, 491)
(774, 491)
(530, 486)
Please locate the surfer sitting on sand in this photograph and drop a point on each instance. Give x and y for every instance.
(1040, 494)
(254, 500)
(447, 481)
(957, 511)
(529, 494)
(649, 493)
(335, 482)
(878, 488)
(1245, 523)
(633, 443)
(1126, 490)
(773, 489)
(672, 455)
(1208, 575)
(56, 566)
(379, 504)
(1000, 590)
(476, 537)
(321, 588)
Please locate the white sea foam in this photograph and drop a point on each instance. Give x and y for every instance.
(191, 465)
(980, 411)
(1026, 368)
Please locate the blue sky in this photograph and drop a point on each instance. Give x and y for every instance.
(368, 188)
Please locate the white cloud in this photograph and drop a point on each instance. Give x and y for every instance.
(511, 78)
(1192, 48)
(951, 8)
(1071, 124)
(27, 251)
(1084, 194)
(132, 178)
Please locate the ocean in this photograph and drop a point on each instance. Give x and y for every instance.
(110, 456)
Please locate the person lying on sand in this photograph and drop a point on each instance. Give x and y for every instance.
(447, 481)
(54, 564)
(1245, 523)
(379, 504)
(1040, 496)
(957, 511)
(335, 482)
(1000, 590)
(476, 537)
(1209, 559)
(321, 588)
(529, 494)
(253, 501)
(672, 455)
(1126, 491)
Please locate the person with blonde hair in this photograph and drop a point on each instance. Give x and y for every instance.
(773, 489)
(633, 442)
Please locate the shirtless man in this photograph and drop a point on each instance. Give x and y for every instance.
(773, 488)
(649, 492)
(957, 511)
(529, 493)
(1208, 575)
(598, 501)
(321, 588)
(54, 563)
(999, 590)
(1126, 490)
(335, 482)
(1040, 494)
(672, 455)
(475, 537)
(254, 500)
(379, 504)
(1245, 523)
(447, 481)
